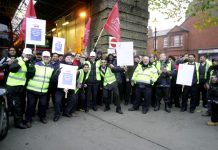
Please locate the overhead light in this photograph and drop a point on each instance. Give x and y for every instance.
(82, 14)
(66, 23)
(54, 29)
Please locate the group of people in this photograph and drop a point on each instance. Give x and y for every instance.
(32, 79)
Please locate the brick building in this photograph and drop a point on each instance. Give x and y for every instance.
(186, 39)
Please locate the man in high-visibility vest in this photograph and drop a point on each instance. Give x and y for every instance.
(144, 77)
(110, 84)
(193, 89)
(93, 80)
(16, 82)
(164, 68)
(204, 65)
(212, 87)
(82, 76)
(37, 89)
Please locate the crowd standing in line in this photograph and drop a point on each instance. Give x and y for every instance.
(32, 79)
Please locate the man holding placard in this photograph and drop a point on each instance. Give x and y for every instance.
(65, 76)
(193, 88)
(37, 89)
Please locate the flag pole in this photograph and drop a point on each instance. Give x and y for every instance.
(98, 39)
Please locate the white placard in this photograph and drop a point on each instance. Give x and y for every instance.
(185, 74)
(35, 31)
(67, 77)
(125, 54)
(58, 45)
(111, 51)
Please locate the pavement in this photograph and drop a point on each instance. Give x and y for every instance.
(111, 131)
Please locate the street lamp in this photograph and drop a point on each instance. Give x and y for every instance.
(155, 22)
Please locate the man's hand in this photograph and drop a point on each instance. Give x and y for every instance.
(206, 86)
(111, 66)
(85, 85)
(66, 90)
(79, 85)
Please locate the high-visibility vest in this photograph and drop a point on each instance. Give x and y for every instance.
(18, 78)
(81, 76)
(97, 65)
(197, 71)
(168, 66)
(145, 76)
(40, 82)
(108, 77)
(208, 64)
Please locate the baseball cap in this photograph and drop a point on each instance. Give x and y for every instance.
(27, 51)
(46, 53)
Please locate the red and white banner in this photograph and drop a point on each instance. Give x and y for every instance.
(30, 13)
(86, 34)
(112, 25)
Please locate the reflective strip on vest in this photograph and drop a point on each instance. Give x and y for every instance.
(18, 78)
(145, 76)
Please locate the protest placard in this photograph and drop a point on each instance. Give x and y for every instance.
(58, 45)
(35, 31)
(185, 74)
(125, 54)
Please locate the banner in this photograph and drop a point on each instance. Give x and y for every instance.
(35, 31)
(30, 13)
(58, 45)
(86, 34)
(125, 54)
(112, 25)
(185, 74)
(67, 77)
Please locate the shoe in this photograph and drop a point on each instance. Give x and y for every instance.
(183, 109)
(126, 103)
(21, 126)
(86, 110)
(210, 123)
(94, 108)
(144, 111)
(132, 109)
(56, 118)
(67, 115)
(119, 111)
(167, 109)
(28, 124)
(157, 108)
(106, 109)
(192, 111)
(43, 120)
(206, 114)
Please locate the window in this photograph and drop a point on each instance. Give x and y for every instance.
(176, 41)
(165, 41)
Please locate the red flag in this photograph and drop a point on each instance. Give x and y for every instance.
(30, 13)
(112, 25)
(86, 35)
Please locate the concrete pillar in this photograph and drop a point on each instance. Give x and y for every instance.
(134, 20)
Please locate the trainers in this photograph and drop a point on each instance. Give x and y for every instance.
(119, 111)
(210, 123)
(21, 126)
(28, 124)
(43, 120)
(56, 118)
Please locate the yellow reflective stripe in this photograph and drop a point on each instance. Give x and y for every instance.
(13, 77)
(143, 81)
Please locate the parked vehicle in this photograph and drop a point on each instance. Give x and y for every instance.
(4, 120)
